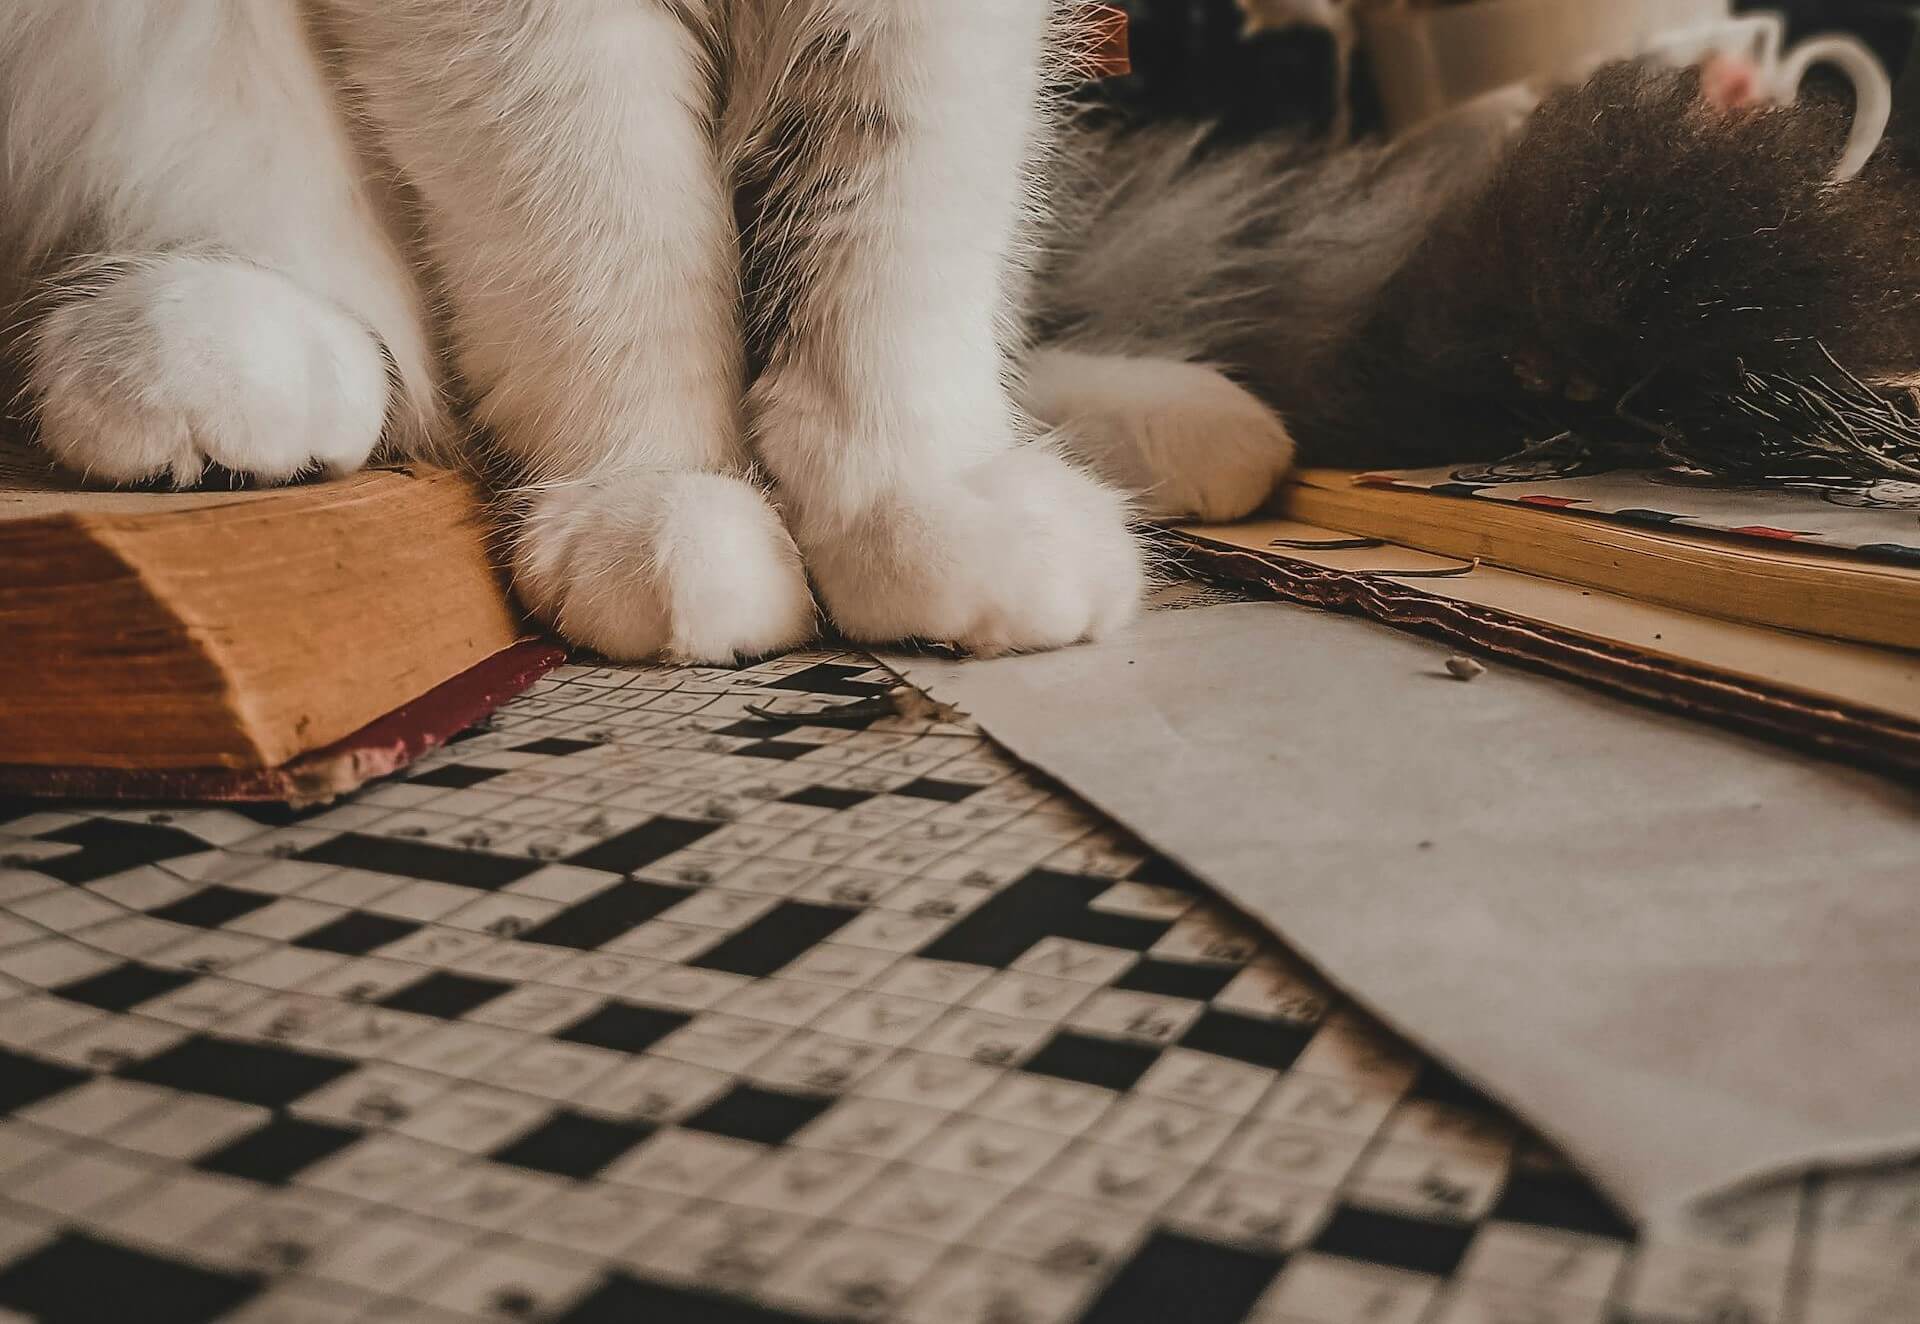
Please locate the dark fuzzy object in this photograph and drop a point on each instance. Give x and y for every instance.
(1626, 270)
(1636, 263)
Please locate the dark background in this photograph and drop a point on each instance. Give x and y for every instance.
(1191, 62)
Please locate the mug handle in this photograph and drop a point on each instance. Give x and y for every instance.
(1872, 87)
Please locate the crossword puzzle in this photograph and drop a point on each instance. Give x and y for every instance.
(654, 1000)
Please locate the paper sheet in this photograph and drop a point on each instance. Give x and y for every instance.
(1690, 959)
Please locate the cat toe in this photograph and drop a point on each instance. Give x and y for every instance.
(1185, 440)
(165, 366)
(683, 567)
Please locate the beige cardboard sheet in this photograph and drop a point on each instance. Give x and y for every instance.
(1884, 678)
(1691, 959)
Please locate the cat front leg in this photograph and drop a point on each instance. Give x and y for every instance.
(884, 150)
(583, 232)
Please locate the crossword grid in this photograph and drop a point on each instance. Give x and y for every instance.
(640, 1006)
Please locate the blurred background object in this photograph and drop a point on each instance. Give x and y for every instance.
(1257, 65)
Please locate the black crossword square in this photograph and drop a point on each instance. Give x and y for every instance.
(1158, 871)
(1110, 1063)
(1107, 930)
(570, 1145)
(1563, 1201)
(1175, 1278)
(110, 846)
(782, 935)
(555, 745)
(456, 776)
(625, 1028)
(607, 915)
(25, 1081)
(758, 728)
(420, 859)
(265, 1074)
(125, 986)
(624, 1300)
(1041, 904)
(77, 1279)
(637, 848)
(277, 815)
(931, 788)
(446, 995)
(1177, 979)
(279, 1151)
(356, 934)
(828, 797)
(1436, 1084)
(1396, 1240)
(211, 907)
(1247, 1038)
(763, 1116)
(775, 749)
(833, 678)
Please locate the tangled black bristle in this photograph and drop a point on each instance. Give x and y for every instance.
(1777, 427)
(1760, 427)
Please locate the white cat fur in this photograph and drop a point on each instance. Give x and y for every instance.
(269, 234)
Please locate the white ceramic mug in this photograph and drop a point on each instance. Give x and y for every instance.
(1759, 40)
(1431, 60)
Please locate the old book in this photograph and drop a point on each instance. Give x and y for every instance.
(1852, 701)
(233, 630)
(1756, 576)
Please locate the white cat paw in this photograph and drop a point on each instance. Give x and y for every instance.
(171, 364)
(1185, 440)
(683, 567)
(1022, 553)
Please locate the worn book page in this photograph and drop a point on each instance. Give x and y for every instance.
(1877, 516)
(1691, 959)
(1886, 679)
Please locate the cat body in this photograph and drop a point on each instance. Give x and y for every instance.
(732, 289)
(739, 293)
